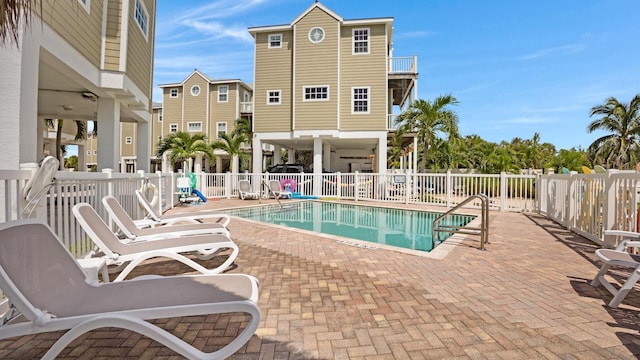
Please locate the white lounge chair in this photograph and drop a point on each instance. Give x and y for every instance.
(127, 255)
(169, 219)
(131, 230)
(276, 190)
(245, 190)
(51, 294)
(622, 256)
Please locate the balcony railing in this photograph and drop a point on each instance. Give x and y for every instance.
(245, 107)
(391, 122)
(403, 65)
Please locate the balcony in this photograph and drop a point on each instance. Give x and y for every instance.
(245, 108)
(403, 75)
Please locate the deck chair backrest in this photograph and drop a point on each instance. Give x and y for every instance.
(36, 271)
(98, 231)
(120, 216)
(274, 185)
(245, 185)
(151, 212)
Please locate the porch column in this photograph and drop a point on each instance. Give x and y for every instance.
(326, 156)
(257, 156)
(143, 146)
(109, 141)
(218, 164)
(197, 166)
(19, 99)
(291, 157)
(317, 165)
(276, 154)
(381, 155)
(415, 154)
(165, 163)
(82, 157)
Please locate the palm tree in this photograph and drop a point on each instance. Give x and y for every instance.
(58, 124)
(622, 121)
(232, 145)
(428, 120)
(12, 14)
(183, 146)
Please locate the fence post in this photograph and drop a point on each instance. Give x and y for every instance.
(570, 206)
(449, 187)
(609, 204)
(409, 185)
(227, 185)
(161, 193)
(503, 191)
(356, 186)
(339, 185)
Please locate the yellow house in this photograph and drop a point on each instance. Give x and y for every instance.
(200, 104)
(329, 85)
(79, 60)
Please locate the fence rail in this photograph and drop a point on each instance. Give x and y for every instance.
(586, 204)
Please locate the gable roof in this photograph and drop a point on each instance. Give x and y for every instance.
(317, 5)
(207, 78)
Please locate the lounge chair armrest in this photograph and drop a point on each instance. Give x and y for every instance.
(624, 233)
(625, 244)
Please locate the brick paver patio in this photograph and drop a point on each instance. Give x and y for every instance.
(526, 297)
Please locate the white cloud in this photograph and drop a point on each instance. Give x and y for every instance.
(555, 51)
(218, 30)
(219, 9)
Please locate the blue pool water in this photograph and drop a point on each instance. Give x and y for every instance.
(407, 229)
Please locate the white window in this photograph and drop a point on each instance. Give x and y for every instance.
(95, 152)
(160, 115)
(173, 127)
(361, 41)
(173, 93)
(194, 126)
(247, 97)
(142, 17)
(273, 97)
(360, 100)
(128, 140)
(195, 90)
(315, 93)
(159, 138)
(86, 4)
(88, 152)
(275, 41)
(221, 128)
(223, 93)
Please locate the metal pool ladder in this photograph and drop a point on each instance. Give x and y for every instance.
(483, 230)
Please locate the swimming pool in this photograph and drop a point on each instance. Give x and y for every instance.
(408, 229)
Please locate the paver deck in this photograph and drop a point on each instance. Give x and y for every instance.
(526, 297)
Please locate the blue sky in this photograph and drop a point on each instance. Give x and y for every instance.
(516, 67)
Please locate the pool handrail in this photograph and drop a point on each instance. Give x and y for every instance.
(483, 230)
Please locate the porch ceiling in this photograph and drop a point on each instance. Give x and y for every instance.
(306, 143)
(64, 94)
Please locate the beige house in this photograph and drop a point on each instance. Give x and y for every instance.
(79, 60)
(200, 104)
(329, 85)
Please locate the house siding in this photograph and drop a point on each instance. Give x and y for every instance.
(224, 111)
(172, 109)
(113, 36)
(273, 71)
(195, 107)
(364, 71)
(84, 33)
(316, 64)
(156, 130)
(127, 129)
(140, 49)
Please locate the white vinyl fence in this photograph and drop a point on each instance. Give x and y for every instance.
(586, 204)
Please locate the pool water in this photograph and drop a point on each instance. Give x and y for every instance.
(408, 229)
